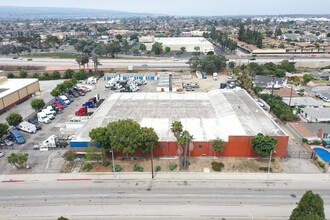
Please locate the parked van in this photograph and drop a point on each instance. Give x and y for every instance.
(51, 109)
(49, 114)
(27, 127)
(42, 117)
(16, 136)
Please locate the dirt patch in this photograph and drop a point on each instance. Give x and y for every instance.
(19, 68)
(197, 164)
(208, 84)
(67, 167)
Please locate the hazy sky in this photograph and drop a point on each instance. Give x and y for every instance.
(189, 7)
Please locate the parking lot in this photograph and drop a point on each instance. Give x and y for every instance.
(47, 161)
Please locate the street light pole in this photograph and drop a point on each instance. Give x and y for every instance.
(270, 160)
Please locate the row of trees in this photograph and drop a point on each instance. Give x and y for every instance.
(250, 36)
(63, 87)
(208, 64)
(222, 38)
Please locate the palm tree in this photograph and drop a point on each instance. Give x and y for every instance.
(176, 128)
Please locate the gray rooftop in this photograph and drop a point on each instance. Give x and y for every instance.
(315, 127)
(12, 85)
(306, 101)
(317, 113)
(206, 116)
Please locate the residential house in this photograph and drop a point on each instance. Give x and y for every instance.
(269, 82)
(316, 114)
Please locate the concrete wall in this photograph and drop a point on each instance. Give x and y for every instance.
(237, 146)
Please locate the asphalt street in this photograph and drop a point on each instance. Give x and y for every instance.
(150, 199)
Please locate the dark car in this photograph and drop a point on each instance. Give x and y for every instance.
(29, 59)
(34, 120)
(6, 143)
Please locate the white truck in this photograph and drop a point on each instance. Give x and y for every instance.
(51, 142)
(27, 127)
(42, 117)
(50, 109)
(65, 99)
(91, 80)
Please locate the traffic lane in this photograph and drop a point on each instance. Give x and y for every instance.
(132, 191)
(154, 198)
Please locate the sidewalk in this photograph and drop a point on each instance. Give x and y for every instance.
(167, 176)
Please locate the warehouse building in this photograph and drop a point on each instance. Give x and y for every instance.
(175, 43)
(15, 91)
(231, 115)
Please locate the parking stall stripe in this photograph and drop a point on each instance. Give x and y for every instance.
(74, 179)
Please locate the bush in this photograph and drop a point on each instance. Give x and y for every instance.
(316, 142)
(118, 168)
(273, 160)
(321, 164)
(87, 167)
(138, 168)
(105, 163)
(304, 140)
(217, 166)
(173, 166)
(10, 75)
(158, 168)
(69, 155)
(265, 169)
(101, 74)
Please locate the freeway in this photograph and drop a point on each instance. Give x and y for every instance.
(159, 198)
(162, 62)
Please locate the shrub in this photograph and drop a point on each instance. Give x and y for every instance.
(265, 169)
(69, 155)
(10, 75)
(173, 166)
(158, 168)
(87, 167)
(273, 160)
(304, 140)
(118, 168)
(316, 142)
(138, 168)
(321, 164)
(217, 166)
(105, 163)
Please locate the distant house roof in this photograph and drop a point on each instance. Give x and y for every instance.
(320, 114)
(286, 92)
(315, 127)
(305, 101)
(266, 81)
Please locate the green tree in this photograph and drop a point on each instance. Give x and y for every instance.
(14, 119)
(37, 104)
(148, 139)
(94, 154)
(157, 48)
(310, 207)
(231, 64)
(23, 74)
(167, 49)
(11, 75)
(56, 75)
(213, 63)
(282, 46)
(176, 128)
(307, 78)
(100, 137)
(79, 60)
(182, 49)
(18, 160)
(3, 129)
(36, 75)
(263, 144)
(194, 63)
(143, 47)
(136, 52)
(119, 37)
(62, 218)
(218, 145)
(69, 156)
(55, 92)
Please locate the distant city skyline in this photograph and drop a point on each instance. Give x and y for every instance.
(189, 7)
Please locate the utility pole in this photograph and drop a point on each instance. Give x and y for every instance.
(290, 96)
(272, 96)
(152, 162)
(113, 162)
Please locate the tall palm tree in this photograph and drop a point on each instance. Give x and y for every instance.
(176, 128)
(78, 60)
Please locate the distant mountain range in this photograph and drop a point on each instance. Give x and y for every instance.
(9, 12)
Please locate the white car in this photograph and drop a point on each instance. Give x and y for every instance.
(2, 154)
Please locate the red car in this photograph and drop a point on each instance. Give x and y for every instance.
(59, 105)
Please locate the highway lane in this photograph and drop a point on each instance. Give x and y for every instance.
(144, 199)
(159, 62)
